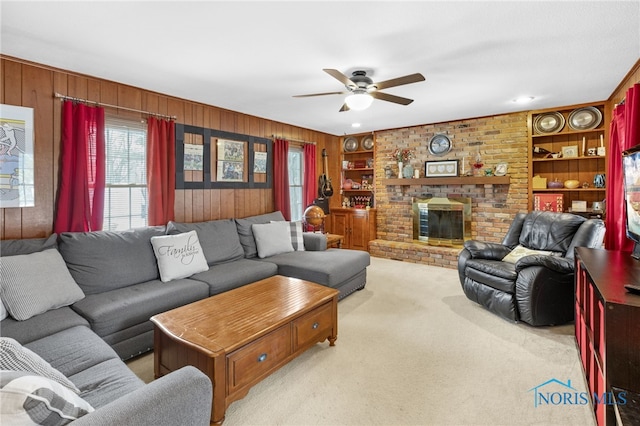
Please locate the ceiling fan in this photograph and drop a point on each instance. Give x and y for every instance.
(362, 90)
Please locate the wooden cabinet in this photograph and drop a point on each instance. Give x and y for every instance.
(607, 326)
(573, 138)
(357, 171)
(357, 225)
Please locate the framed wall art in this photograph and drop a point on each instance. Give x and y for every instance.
(217, 159)
(447, 168)
(17, 175)
(570, 151)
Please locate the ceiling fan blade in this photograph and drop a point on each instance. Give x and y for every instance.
(407, 79)
(391, 98)
(340, 77)
(344, 108)
(320, 94)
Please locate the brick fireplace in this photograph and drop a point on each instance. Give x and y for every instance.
(500, 138)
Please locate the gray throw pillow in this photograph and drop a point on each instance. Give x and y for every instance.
(31, 284)
(272, 238)
(246, 234)
(14, 356)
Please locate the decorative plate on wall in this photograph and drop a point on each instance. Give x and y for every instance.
(350, 144)
(585, 118)
(367, 143)
(549, 122)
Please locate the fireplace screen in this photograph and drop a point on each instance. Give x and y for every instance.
(442, 221)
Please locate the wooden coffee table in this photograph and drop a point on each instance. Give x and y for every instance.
(241, 336)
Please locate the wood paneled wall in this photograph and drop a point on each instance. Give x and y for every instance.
(632, 77)
(33, 85)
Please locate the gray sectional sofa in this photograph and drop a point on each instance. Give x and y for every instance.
(119, 277)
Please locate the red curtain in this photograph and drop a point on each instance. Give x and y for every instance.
(281, 177)
(161, 170)
(310, 184)
(80, 204)
(624, 134)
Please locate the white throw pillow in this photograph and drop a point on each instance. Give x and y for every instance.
(179, 256)
(35, 283)
(28, 399)
(297, 240)
(272, 238)
(519, 252)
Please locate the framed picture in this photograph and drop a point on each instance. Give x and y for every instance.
(260, 162)
(17, 174)
(193, 157)
(446, 168)
(570, 151)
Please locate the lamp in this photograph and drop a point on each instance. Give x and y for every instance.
(359, 100)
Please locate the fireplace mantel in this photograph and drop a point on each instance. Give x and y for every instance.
(461, 180)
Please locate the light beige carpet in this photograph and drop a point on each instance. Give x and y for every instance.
(413, 350)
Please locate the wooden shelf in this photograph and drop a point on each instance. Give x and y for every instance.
(461, 180)
(586, 157)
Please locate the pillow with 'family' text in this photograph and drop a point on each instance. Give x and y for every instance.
(179, 256)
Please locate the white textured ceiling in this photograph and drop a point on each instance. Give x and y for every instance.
(252, 57)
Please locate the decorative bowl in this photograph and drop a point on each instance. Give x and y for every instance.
(571, 183)
(555, 184)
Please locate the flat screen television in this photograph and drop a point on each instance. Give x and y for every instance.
(631, 178)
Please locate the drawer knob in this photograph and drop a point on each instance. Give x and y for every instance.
(315, 325)
(262, 357)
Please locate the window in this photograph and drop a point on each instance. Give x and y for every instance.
(296, 173)
(125, 199)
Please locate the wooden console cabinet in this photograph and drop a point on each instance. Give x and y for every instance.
(357, 225)
(607, 324)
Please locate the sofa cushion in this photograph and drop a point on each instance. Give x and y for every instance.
(27, 245)
(73, 350)
(105, 260)
(179, 255)
(15, 357)
(41, 325)
(31, 399)
(35, 283)
(105, 382)
(272, 238)
(121, 308)
(246, 234)
(227, 276)
(329, 267)
(219, 239)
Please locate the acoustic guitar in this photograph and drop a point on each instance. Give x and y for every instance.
(324, 182)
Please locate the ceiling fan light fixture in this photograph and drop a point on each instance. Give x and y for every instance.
(358, 101)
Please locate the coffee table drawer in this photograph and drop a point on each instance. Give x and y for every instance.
(250, 363)
(313, 326)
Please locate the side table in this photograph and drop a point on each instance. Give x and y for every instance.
(334, 240)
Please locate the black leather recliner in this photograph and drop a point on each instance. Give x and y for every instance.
(537, 289)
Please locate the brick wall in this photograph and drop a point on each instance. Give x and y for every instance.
(501, 138)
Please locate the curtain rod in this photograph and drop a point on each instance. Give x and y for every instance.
(293, 140)
(71, 98)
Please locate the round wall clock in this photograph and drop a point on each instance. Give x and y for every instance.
(440, 145)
